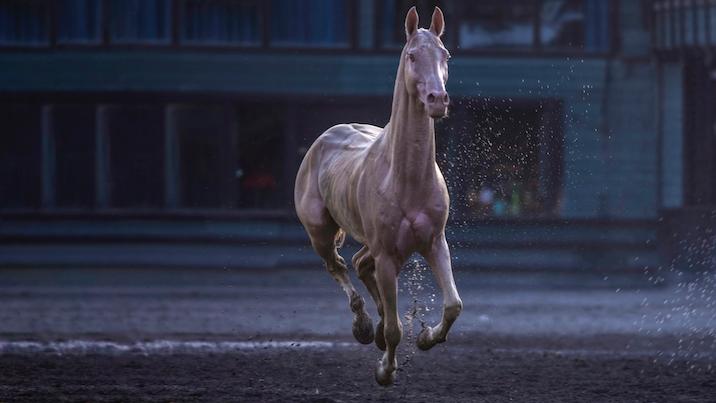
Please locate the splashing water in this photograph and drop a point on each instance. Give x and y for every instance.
(414, 286)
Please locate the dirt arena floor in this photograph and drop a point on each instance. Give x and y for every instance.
(74, 335)
(468, 371)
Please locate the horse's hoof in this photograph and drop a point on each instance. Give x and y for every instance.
(425, 339)
(363, 328)
(379, 337)
(383, 377)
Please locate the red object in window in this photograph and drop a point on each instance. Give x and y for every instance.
(260, 181)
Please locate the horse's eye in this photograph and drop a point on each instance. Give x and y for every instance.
(411, 57)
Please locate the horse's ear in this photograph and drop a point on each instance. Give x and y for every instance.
(437, 25)
(411, 22)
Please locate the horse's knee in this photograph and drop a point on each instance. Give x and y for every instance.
(335, 268)
(357, 303)
(452, 310)
(365, 266)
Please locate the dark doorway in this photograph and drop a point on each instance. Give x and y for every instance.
(699, 132)
(135, 138)
(207, 140)
(20, 156)
(74, 138)
(262, 158)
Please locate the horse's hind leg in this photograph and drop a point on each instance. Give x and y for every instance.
(323, 235)
(364, 264)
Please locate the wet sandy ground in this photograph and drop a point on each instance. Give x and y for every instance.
(132, 335)
(460, 372)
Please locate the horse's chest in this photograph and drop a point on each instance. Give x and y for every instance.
(415, 232)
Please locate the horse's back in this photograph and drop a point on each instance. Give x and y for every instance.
(331, 167)
(348, 137)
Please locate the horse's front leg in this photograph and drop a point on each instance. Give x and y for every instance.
(387, 277)
(439, 260)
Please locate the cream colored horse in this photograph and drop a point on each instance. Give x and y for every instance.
(382, 187)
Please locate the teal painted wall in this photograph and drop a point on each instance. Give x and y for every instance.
(603, 176)
(631, 142)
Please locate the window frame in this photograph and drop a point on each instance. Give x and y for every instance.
(538, 48)
(175, 43)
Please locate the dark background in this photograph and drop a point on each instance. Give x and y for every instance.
(148, 150)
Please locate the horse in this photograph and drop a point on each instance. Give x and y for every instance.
(383, 187)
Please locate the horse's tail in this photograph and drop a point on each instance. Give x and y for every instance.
(340, 238)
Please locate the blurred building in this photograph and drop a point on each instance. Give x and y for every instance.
(168, 132)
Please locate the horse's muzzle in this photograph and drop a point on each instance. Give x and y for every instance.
(437, 104)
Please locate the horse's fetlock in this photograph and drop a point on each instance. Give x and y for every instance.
(452, 311)
(357, 303)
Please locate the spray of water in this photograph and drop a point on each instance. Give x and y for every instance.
(421, 296)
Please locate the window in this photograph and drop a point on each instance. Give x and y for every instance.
(391, 15)
(135, 142)
(505, 160)
(24, 22)
(74, 139)
(497, 24)
(393, 22)
(139, 21)
(20, 156)
(506, 24)
(221, 22)
(322, 23)
(562, 23)
(78, 21)
(575, 24)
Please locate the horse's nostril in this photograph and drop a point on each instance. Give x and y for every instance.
(446, 99)
(431, 98)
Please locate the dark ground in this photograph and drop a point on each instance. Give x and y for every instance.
(525, 341)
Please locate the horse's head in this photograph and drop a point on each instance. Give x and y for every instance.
(425, 64)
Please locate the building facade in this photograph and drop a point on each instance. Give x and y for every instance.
(165, 120)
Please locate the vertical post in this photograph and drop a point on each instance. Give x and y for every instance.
(171, 159)
(614, 30)
(537, 28)
(233, 155)
(364, 24)
(265, 24)
(106, 20)
(48, 158)
(290, 153)
(52, 20)
(707, 23)
(378, 10)
(175, 21)
(102, 174)
(351, 24)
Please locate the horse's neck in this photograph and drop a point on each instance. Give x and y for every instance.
(410, 141)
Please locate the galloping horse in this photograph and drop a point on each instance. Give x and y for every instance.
(382, 187)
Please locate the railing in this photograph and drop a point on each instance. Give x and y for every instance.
(516, 27)
(186, 23)
(683, 25)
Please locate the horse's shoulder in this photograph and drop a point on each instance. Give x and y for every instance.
(350, 129)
